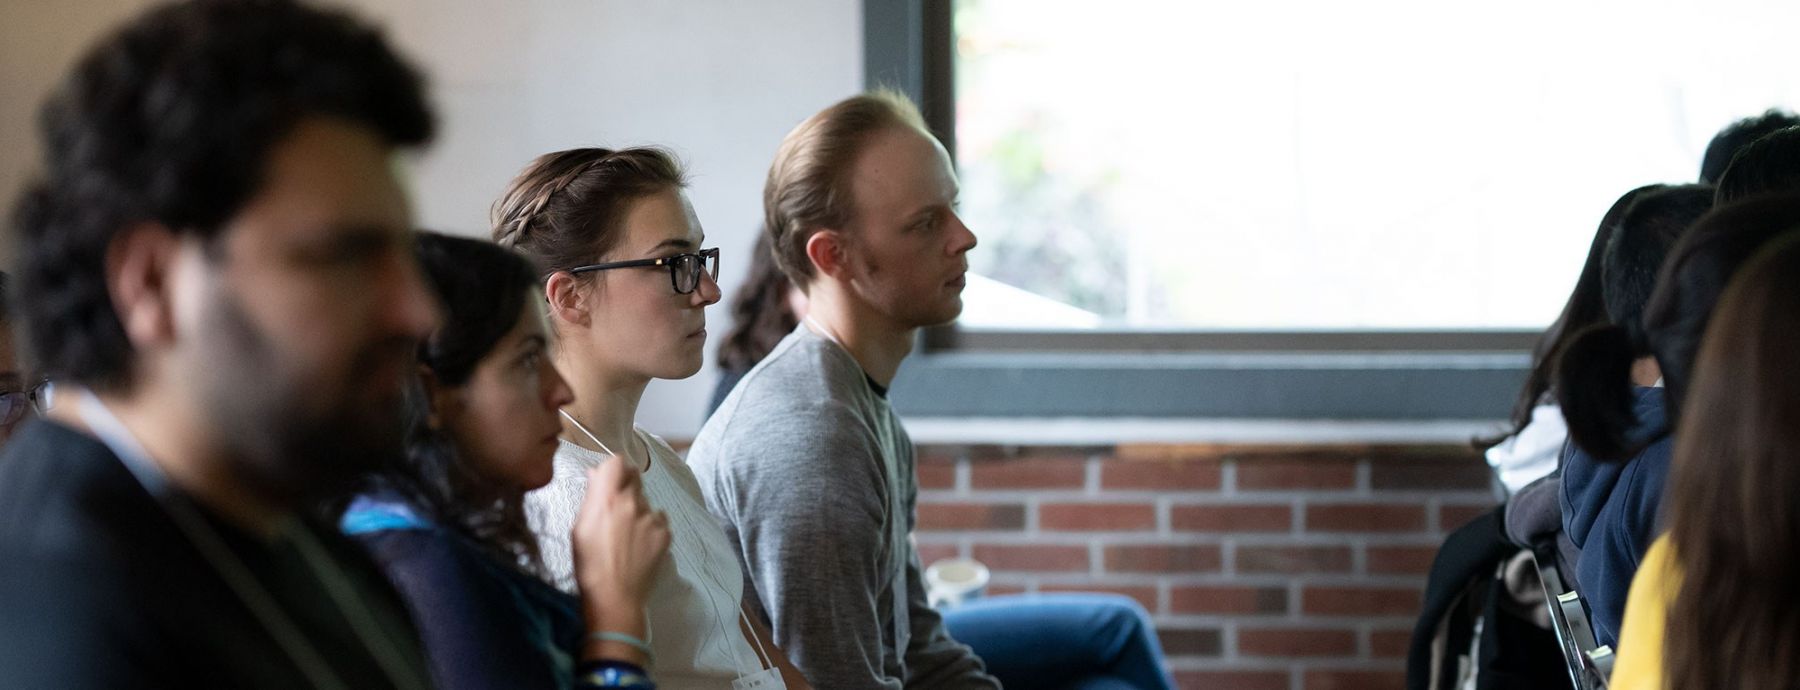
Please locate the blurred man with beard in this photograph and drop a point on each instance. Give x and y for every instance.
(216, 267)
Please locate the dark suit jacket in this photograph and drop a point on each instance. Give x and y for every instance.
(99, 588)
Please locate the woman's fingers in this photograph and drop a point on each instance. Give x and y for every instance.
(614, 476)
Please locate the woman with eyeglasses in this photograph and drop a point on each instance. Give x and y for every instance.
(445, 519)
(628, 279)
(19, 395)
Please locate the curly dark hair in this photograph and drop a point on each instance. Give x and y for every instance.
(171, 120)
(760, 316)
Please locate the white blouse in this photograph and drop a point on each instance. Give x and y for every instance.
(695, 604)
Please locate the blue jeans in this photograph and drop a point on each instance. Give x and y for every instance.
(1077, 641)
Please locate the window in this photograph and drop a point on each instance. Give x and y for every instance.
(1313, 165)
(1293, 210)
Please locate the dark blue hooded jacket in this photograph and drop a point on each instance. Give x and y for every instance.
(1613, 510)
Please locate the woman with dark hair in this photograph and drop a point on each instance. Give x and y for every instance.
(1768, 165)
(1531, 446)
(446, 523)
(1734, 137)
(1725, 572)
(1610, 387)
(764, 311)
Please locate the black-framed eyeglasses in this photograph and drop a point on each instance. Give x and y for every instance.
(684, 269)
(14, 403)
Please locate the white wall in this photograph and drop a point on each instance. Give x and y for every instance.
(718, 81)
(39, 39)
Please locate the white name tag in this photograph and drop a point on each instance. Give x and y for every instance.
(766, 679)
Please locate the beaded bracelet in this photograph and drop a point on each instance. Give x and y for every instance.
(613, 674)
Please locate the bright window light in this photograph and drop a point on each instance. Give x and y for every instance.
(1328, 165)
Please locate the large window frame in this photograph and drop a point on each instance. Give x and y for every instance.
(1251, 375)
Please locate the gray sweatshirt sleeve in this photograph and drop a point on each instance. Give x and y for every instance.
(934, 660)
(810, 519)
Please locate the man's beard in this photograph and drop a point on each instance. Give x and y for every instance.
(295, 436)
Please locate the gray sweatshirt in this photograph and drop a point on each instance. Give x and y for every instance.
(811, 475)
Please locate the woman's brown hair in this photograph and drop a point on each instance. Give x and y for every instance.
(1734, 514)
(564, 209)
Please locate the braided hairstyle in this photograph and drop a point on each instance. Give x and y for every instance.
(565, 208)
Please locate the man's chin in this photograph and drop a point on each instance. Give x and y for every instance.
(944, 315)
(327, 457)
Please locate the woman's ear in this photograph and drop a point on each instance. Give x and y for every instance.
(566, 298)
(442, 401)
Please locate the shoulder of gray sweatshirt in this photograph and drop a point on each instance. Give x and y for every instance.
(811, 476)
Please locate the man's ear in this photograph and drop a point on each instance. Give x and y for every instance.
(828, 252)
(140, 278)
(566, 298)
(440, 400)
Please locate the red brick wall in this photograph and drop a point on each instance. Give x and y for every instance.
(1264, 567)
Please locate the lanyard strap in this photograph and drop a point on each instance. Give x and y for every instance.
(705, 569)
(118, 438)
(823, 332)
(596, 439)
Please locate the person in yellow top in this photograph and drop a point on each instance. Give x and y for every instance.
(1714, 603)
(1640, 662)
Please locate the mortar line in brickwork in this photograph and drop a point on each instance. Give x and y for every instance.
(962, 476)
(1033, 525)
(1164, 523)
(1287, 539)
(1295, 601)
(1191, 498)
(1066, 579)
(1223, 663)
(1091, 476)
(1071, 495)
(1202, 580)
(1180, 620)
(1015, 539)
(1364, 646)
(1365, 473)
(1353, 579)
(1345, 495)
(1228, 642)
(1402, 539)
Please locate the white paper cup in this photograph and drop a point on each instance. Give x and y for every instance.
(952, 581)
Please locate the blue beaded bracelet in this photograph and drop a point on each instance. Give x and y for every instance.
(613, 674)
